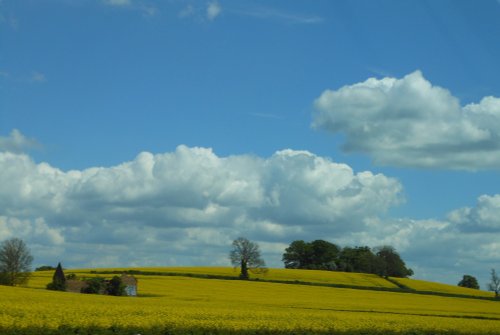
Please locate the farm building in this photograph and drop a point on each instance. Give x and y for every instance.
(75, 285)
(130, 283)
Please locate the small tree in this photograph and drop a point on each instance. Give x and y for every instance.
(469, 281)
(246, 255)
(71, 276)
(15, 262)
(494, 284)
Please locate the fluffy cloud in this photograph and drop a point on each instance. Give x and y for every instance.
(185, 207)
(213, 10)
(17, 142)
(485, 217)
(36, 231)
(410, 122)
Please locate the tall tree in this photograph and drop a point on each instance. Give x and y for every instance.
(494, 284)
(15, 262)
(469, 281)
(246, 255)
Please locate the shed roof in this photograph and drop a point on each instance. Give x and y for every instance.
(129, 280)
(75, 285)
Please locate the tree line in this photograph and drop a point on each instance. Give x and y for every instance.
(322, 255)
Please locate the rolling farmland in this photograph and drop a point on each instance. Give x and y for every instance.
(426, 286)
(176, 305)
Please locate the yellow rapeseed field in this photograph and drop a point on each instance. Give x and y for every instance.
(312, 276)
(176, 305)
(421, 285)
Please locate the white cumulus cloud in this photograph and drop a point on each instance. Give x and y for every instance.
(485, 216)
(439, 250)
(410, 122)
(35, 231)
(186, 206)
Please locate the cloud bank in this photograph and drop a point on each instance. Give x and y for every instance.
(409, 122)
(186, 206)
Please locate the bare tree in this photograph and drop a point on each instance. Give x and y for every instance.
(15, 262)
(494, 284)
(246, 255)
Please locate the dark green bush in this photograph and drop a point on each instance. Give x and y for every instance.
(95, 285)
(115, 286)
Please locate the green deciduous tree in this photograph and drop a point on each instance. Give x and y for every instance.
(246, 255)
(324, 255)
(469, 281)
(15, 262)
(392, 264)
(298, 255)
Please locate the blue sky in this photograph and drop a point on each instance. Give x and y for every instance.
(254, 118)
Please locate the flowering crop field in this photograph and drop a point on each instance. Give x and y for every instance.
(180, 305)
(311, 276)
(421, 285)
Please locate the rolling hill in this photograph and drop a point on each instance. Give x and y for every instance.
(177, 304)
(306, 277)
